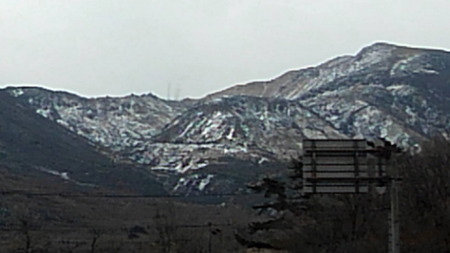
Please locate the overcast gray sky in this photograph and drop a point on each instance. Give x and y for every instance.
(118, 47)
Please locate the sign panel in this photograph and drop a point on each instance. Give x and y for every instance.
(339, 166)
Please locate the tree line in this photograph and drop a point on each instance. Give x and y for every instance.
(285, 221)
(357, 222)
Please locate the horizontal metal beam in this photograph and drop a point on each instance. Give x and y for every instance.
(349, 179)
(333, 189)
(344, 160)
(338, 151)
(334, 143)
(326, 175)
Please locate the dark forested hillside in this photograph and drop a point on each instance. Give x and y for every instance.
(33, 145)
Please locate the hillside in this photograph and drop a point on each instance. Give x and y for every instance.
(34, 146)
(398, 93)
(388, 91)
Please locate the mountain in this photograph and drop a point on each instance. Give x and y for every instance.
(114, 122)
(380, 63)
(388, 91)
(215, 144)
(33, 146)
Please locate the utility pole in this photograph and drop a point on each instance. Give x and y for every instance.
(209, 237)
(394, 228)
(177, 93)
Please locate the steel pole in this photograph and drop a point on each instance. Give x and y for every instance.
(394, 228)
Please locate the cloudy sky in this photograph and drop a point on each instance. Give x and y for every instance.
(188, 48)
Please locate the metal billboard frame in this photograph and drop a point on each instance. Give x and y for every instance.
(352, 166)
(341, 166)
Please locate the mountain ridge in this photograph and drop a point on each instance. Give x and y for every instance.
(34, 146)
(398, 93)
(369, 54)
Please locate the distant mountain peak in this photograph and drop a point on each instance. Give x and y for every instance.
(381, 52)
(382, 48)
(385, 51)
(381, 45)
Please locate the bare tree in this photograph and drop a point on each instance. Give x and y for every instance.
(425, 198)
(95, 233)
(29, 224)
(164, 222)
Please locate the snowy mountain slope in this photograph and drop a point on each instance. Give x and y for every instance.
(398, 93)
(250, 129)
(399, 113)
(375, 62)
(113, 122)
(38, 148)
(274, 126)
